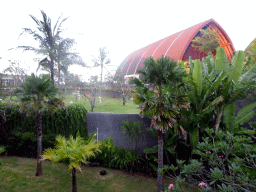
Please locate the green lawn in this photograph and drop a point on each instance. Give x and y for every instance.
(17, 174)
(108, 105)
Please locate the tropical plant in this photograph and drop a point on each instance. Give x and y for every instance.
(224, 158)
(107, 151)
(2, 149)
(215, 86)
(208, 42)
(35, 92)
(133, 131)
(125, 159)
(47, 38)
(65, 57)
(72, 152)
(156, 93)
(101, 61)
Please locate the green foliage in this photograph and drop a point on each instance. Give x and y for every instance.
(2, 149)
(65, 121)
(25, 143)
(35, 90)
(72, 151)
(125, 159)
(107, 151)
(214, 87)
(158, 90)
(170, 141)
(133, 131)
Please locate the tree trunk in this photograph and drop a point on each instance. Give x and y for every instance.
(74, 185)
(124, 101)
(39, 142)
(101, 81)
(52, 71)
(59, 74)
(160, 186)
(216, 127)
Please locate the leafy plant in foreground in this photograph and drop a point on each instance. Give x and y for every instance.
(224, 155)
(73, 151)
(133, 131)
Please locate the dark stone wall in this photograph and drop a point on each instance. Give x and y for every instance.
(110, 123)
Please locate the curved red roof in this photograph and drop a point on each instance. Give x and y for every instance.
(176, 46)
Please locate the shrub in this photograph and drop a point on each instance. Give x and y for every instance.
(227, 162)
(65, 121)
(25, 143)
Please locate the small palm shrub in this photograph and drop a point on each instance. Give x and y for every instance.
(72, 152)
(125, 159)
(107, 148)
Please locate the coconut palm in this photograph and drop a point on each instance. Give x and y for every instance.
(35, 92)
(156, 92)
(47, 38)
(64, 56)
(72, 152)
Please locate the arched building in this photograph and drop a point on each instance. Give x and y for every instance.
(177, 46)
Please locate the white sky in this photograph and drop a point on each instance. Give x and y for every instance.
(122, 26)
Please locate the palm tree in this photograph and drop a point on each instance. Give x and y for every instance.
(72, 152)
(101, 61)
(64, 56)
(47, 38)
(35, 92)
(156, 93)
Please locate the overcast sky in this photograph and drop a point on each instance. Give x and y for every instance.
(121, 26)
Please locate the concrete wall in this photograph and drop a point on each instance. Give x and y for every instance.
(110, 123)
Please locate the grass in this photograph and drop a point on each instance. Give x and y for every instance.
(17, 174)
(108, 104)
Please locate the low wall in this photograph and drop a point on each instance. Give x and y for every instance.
(110, 123)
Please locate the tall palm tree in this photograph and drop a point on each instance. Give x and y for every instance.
(72, 152)
(156, 92)
(35, 92)
(64, 56)
(101, 61)
(47, 38)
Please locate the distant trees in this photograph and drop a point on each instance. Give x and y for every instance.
(18, 74)
(119, 85)
(94, 87)
(101, 61)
